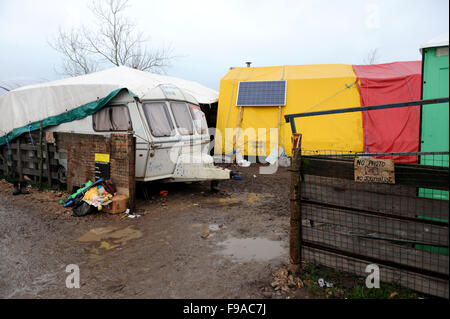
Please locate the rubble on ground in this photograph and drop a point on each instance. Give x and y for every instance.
(284, 284)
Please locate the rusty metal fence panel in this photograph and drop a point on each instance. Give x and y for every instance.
(347, 224)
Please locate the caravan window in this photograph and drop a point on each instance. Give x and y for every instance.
(112, 118)
(199, 119)
(182, 118)
(158, 119)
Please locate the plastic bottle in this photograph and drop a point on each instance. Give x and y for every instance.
(101, 190)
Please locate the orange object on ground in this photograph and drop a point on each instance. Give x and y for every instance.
(163, 193)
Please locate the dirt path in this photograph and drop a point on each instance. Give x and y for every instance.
(190, 244)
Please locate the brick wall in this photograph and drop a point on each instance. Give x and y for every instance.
(123, 164)
(81, 149)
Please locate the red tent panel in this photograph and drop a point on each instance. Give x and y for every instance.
(391, 130)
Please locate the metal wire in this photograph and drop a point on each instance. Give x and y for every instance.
(400, 227)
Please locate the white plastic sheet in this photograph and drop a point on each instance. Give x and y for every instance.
(272, 158)
(37, 102)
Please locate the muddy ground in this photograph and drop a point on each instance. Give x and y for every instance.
(190, 244)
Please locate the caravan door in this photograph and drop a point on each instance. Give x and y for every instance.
(164, 149)
(142, 139)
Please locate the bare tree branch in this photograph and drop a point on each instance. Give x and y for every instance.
(115, 41)
(372, 57)
(74, 49)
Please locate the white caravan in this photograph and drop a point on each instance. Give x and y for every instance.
(172, 139)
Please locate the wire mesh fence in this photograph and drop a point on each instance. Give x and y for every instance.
(386, 209)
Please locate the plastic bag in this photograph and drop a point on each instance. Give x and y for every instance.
(272, 158)
(83, 209)
(240, 160)
(284, 161)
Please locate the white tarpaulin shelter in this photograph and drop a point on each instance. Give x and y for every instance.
(74, 98)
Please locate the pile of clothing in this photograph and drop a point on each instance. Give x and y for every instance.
(90, 197)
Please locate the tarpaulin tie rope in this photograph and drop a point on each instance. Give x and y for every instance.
(241, 118)
(406, 80)
(283, 123)
(9, 155)
(347, 86)
(29, 133)
(232, 96)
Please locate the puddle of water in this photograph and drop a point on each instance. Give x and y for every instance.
(251, 198)
(106, 245)
(96, 234)
(117, 236)
(228, 200)
(251, 249)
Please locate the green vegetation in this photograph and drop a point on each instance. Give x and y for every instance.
(346, 285)
(55, 187)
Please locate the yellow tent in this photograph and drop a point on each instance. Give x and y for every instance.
(309, 88)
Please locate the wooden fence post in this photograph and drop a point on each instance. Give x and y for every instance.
(19, 160)
(47, 163)
(295, 237)
(4, 164)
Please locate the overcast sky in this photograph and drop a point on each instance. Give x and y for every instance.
(210, 36)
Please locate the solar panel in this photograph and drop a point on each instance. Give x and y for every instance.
(261, 93)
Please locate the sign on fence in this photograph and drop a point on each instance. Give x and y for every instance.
(102, 165)
(371, 170)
